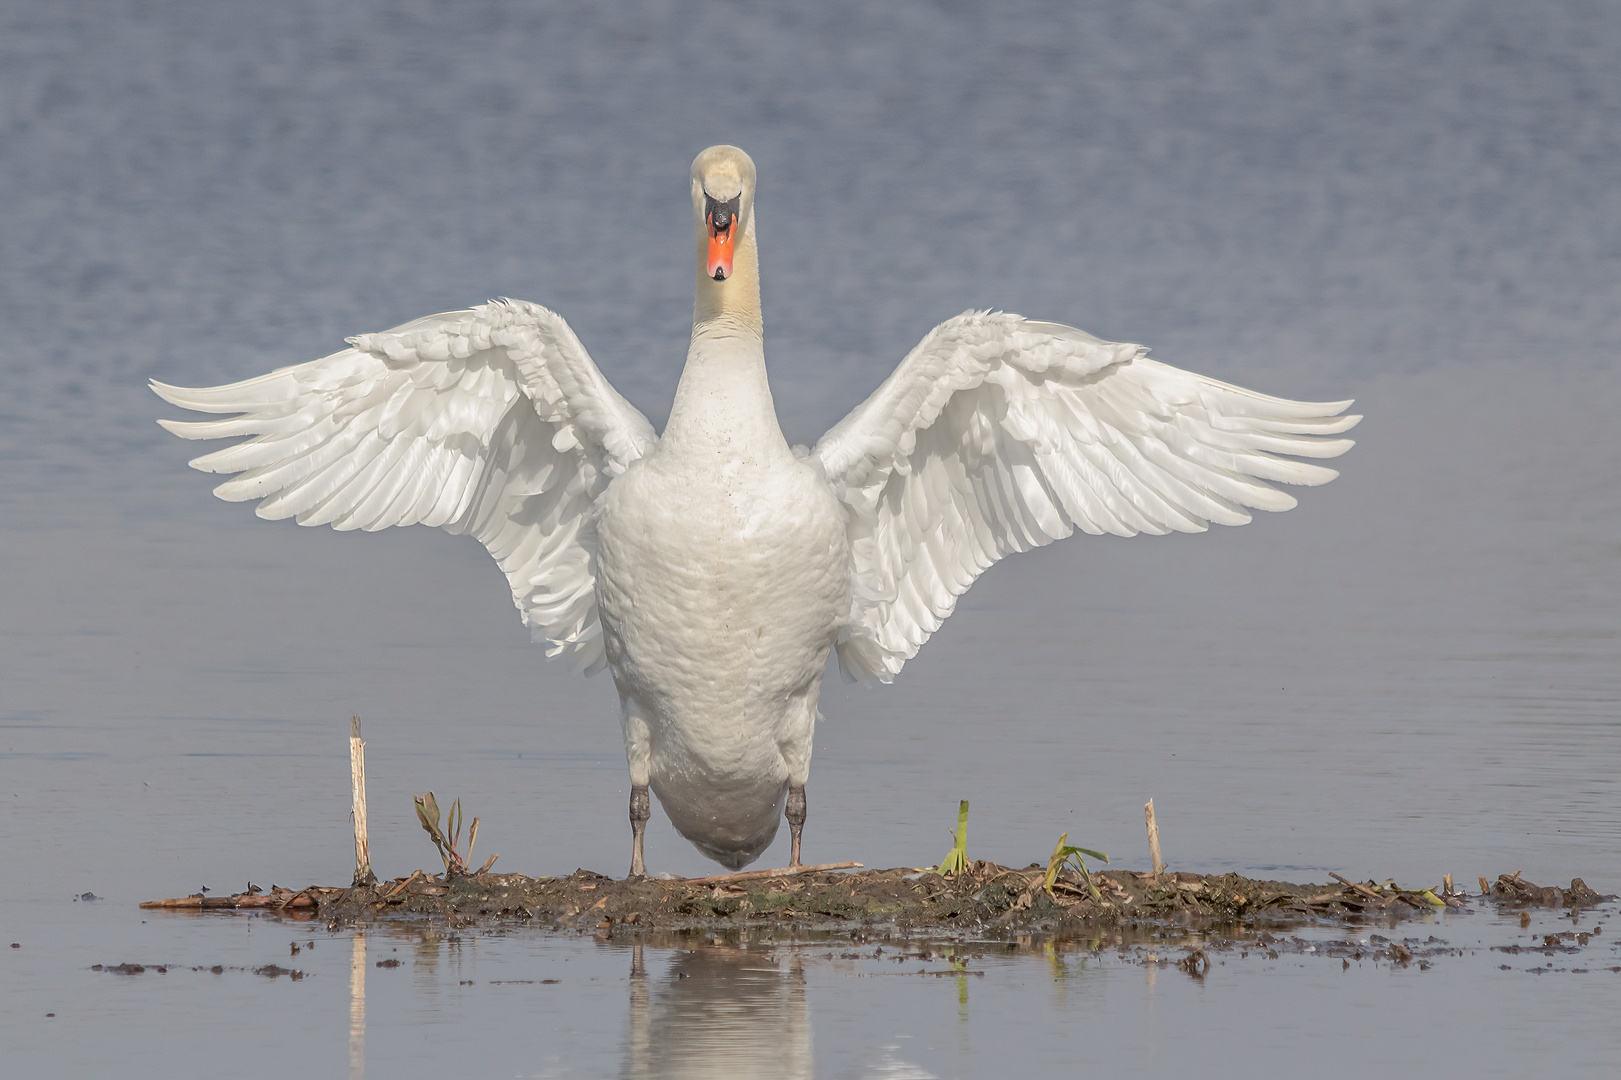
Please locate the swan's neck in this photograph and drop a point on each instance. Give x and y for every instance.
(723, 403)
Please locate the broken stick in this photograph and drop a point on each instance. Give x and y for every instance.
(357, 780)
(1363, 889)
(1153, 839)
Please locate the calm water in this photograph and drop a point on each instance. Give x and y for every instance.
(1415, 672)
(523, 1005)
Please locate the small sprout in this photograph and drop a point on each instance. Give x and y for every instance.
(956, 860)
(448, 845)
(1064, 854)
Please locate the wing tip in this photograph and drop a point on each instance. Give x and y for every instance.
(174, 395)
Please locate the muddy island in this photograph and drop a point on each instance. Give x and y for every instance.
(983, 899)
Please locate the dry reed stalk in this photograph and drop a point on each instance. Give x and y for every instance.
(357, 780)
(1153, 839)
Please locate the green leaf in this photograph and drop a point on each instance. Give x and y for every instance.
(1065, 854)
(956, 860)
(429, 824)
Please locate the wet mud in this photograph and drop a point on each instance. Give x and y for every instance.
(986, 900)
(915, 923)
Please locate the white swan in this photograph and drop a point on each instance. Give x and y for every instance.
(711, 569)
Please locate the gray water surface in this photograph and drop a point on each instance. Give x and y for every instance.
(1415, 672)
(521, 1004)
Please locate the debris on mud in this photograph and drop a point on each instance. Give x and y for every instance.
(272, 971)
(269, 971)
(128, 969)
(1510, 889)
(983, 898)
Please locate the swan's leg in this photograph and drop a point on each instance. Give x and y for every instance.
(640, 810)
(638, 754)
(796, 820)
(795, 745)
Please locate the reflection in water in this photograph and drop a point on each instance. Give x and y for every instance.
(719, 1012)
(957, 957)
(357, 1008)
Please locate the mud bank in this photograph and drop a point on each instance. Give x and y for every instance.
(986, 899)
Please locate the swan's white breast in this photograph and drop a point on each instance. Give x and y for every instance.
(721, 584)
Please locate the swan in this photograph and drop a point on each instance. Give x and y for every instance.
(711, 569)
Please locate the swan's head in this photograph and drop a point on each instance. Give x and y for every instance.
(723, 201)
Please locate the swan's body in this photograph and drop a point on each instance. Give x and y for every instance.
(722, 579)
(711, 570)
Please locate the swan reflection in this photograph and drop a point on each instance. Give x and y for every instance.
(718, 1011)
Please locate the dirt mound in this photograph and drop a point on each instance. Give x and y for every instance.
(985, 898)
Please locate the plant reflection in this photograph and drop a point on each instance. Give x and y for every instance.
(357, 1007)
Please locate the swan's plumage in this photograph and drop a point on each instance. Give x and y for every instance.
(492, 421)
(711, 569)
(998, 434)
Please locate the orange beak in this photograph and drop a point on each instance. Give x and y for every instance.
(720, 249)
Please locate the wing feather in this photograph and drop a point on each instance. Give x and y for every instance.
(1000, 434)
(492, 421)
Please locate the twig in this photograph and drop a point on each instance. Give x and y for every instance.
(292, 901)
(787, 872)
(1153, 840)
(1363, 889)
(401, 887)
(196, 901)
(357, 784)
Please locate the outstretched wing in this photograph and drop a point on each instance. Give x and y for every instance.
(998, 434)
(491, 421)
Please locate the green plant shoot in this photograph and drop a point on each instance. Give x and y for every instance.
(1064, 854)
(956, 860)
(428, 814)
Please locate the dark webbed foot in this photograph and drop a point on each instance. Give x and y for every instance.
(796, 821)
(640, 810)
